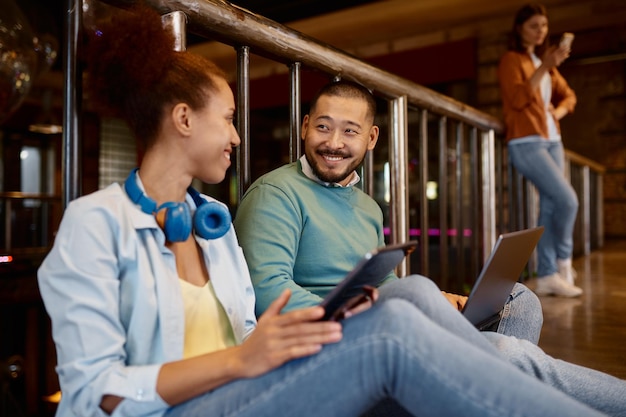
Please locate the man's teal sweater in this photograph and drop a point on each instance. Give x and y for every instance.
(297, 233)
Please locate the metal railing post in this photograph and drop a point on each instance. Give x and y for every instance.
(244, 175)
(398, 146)
(72, 100)
(488, 191)
(295, 117)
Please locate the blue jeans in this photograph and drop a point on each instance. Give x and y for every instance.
(392, 351)
(541, 162)
(522, 315)
(596, 389)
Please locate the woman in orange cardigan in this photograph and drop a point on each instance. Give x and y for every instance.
(535, 97)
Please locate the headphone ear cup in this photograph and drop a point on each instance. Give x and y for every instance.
(211, 220)
(177, 226)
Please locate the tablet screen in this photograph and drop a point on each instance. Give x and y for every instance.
(369, 271)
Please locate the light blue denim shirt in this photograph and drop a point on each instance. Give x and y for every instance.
(112, 291)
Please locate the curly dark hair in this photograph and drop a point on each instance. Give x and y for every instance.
(523, 14)
(134, 73)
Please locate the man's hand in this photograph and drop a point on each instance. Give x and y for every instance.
(279, 338)
(359, 303)
(457, 301)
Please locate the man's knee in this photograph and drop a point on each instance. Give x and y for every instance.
(530, 302)
(414, 288)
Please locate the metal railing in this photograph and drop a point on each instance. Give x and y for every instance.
(453, 144)
(248, 32)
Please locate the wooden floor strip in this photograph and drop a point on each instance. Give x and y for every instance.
(591, 330)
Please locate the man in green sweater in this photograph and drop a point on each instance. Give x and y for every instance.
(304, 226)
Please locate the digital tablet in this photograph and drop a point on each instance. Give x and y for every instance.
(369, 272)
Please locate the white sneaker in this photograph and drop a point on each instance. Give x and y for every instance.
(566, 271)
(555, 285)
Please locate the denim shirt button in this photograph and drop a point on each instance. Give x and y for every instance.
(139, 394)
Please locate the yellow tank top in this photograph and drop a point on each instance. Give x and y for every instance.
(207, 327)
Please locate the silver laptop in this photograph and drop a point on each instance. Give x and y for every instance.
(500, 273)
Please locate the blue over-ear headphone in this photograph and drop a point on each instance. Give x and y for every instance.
(211, 220)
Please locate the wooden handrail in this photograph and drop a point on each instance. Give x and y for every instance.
(583, 161)
(236, 26)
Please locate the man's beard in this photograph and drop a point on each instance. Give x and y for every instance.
(331, 177)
